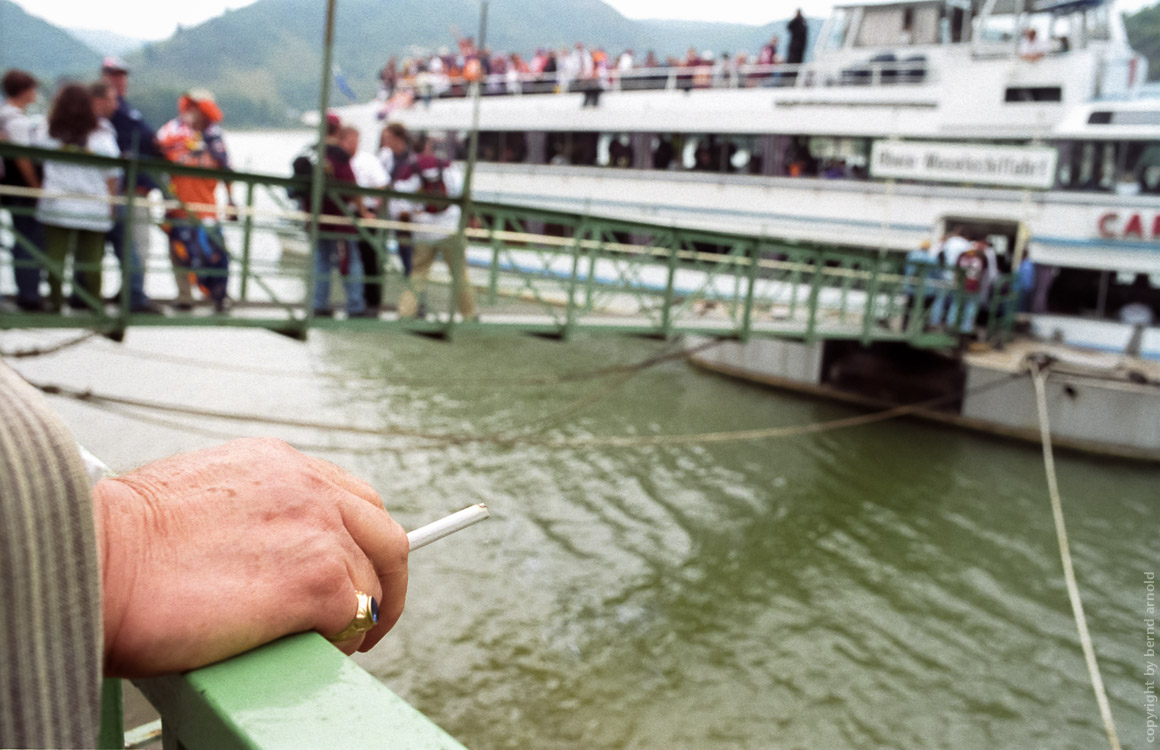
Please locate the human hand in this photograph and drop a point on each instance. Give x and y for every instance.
(209, 554)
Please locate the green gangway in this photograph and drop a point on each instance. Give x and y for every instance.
(534, 271)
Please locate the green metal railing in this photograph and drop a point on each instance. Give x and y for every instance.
(298, 692)
(537, 271)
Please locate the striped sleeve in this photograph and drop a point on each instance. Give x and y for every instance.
(50, 606)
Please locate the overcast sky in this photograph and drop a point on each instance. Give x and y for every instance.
(154, 19)
(157, 19)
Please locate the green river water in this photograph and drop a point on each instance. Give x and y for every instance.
(889, 586)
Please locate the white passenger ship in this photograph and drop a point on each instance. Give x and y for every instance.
(911, 117)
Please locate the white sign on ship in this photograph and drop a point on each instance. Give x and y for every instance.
(1008, 166)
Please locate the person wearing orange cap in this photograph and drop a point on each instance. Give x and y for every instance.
(196, 247)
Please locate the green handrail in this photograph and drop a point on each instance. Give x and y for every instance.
(297, 692)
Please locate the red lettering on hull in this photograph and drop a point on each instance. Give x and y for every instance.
(1131, 227)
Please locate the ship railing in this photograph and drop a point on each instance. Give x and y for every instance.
(297, 693)
(537, 270)
(886, 71)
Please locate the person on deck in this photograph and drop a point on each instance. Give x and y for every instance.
(196, 246)
(798, 37)
(134, 139)
(1031, 47)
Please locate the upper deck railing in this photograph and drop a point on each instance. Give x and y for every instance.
(877, 69)
(536, 271)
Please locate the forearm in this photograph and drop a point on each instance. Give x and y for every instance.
(28, 171)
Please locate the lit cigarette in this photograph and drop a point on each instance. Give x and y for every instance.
(424, 535)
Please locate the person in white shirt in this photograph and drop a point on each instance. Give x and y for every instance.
(76, 210)
(368, 173)
(437, 231)
(21, 90)
(1031, 47)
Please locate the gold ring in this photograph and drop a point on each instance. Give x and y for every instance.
(365, 618)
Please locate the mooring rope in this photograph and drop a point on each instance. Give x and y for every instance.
(502, 439)
(42, 351)
(124, 350)
(1038, 378)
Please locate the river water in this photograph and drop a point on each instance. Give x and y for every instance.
(889, 586)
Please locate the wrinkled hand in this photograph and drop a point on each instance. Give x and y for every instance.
(209, 554)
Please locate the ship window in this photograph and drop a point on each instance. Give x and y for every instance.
(572, 148)
(664, 149)
(839, 26)
(1087, 166)
(614, 150)
(1141, 167)
(888, 26)
(1016, 94)
(1102, 117)
(1137, 117)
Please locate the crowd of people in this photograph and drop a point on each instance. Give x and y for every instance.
(80, 209)
(63, 209)
(406, 165)
(586, 68)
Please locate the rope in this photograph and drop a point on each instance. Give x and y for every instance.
(1039, 377)
(532, 380)
(45, 350)
(508, 441)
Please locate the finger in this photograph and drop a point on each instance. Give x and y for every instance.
(350, 570)
(384, 543)
(344, 479)
(353, 642)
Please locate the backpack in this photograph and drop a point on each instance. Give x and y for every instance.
(430, 171)
(973, 264)
(302, 169)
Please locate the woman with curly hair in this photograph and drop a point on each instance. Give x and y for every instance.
(75, 210)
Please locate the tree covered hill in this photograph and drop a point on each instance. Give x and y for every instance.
(1144, 35)
(49, 52)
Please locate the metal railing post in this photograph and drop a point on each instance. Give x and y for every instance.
(247, 237)
(128, 249)
(751, 274)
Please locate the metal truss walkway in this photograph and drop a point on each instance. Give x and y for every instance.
(533, 271)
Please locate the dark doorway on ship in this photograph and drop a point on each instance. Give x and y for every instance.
(892, 373)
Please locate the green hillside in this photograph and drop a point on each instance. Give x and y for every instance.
(1144, 35)
(47, 51)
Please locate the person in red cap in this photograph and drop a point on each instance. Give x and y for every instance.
(196, 247)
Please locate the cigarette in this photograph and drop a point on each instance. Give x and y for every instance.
(436, 530)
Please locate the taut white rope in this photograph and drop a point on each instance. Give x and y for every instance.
(1038, 377)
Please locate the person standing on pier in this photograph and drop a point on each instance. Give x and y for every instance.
(368, 173)
(337, 242)
(135, 139)
(76, 210)
(428, 174)
(395, 154)
(194, 139)
(16, 127)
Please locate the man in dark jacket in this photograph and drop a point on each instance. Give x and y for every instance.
(798, 34)
(134, 138)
